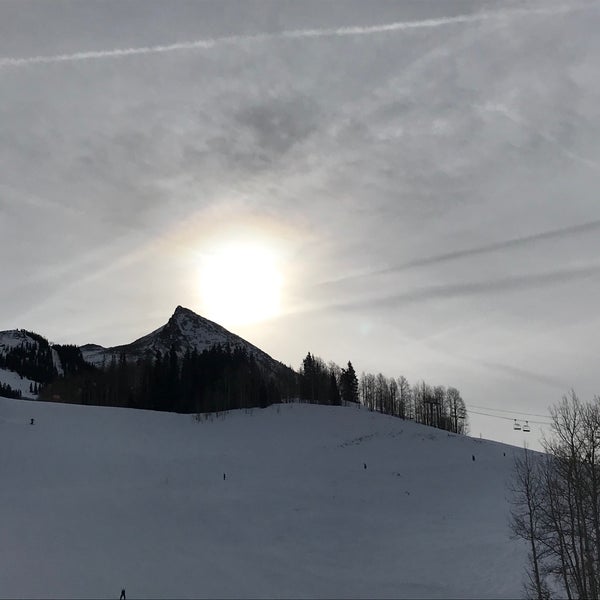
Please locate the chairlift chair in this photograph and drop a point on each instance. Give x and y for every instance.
(526, 427)
(517, 426)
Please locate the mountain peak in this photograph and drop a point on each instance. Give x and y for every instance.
(184, 318)
(185, 330)
(182, 314)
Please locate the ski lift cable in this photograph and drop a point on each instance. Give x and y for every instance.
(515, 412)
(507, 418)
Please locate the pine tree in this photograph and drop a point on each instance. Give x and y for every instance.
(334, 393)
(349, 384)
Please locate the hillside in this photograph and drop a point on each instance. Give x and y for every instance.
(27, 359)
(97, 499)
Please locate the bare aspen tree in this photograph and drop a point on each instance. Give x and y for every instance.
(526, 517)
(393, 395)
(404, 403)
(556, 504)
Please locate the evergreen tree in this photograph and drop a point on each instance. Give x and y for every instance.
(349, 384)
(334, 394)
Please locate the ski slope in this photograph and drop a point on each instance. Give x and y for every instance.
(94, 500)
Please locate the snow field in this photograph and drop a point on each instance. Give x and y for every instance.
(97, 499)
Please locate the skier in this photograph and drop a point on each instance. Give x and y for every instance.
(122, 596)
(31, 422)
(364, 465)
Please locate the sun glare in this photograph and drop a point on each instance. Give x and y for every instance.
(240, 284)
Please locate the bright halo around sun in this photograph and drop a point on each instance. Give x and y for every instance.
(240, 284)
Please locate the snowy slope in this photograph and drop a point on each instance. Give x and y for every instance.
(96, 354)
(12, 339)
(184, 330)
(96, 499)
(17, 382)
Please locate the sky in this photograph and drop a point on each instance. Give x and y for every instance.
(416, 180)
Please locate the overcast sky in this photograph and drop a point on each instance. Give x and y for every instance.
(426, 172)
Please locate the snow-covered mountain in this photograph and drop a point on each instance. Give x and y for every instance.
(18, 382)
(21, 373)
(272, 503)
(14, 338)
(184, 331)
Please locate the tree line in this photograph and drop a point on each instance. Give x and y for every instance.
(322, 383)
(223, 378)
(8, 392)
(436, 406)
(217, 379)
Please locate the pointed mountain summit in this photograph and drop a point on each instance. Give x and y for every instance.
(184, 331)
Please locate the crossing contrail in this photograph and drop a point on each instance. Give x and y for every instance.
(516, 118)
(233, 40)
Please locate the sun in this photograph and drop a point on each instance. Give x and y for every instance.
(240, 284)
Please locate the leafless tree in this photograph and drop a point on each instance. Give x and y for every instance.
(404, 399)
(556, 504)
(526, 517)
(367, 390)
(457, 411)
(393, 397)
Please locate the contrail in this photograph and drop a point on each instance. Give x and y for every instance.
(515, 118)
(293, 34)
(508, 284)
(512, 283)
(553, 234)
(548, 380)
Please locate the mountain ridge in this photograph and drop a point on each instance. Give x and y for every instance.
(185, 331)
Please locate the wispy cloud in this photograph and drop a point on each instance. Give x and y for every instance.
(208, 43)
(514, 283)
(513, 116)
(528, 375)
(519, 242)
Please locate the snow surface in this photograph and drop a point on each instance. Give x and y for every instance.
(94, 500)
(17, 382)
(13, 338)
(95, 355)
(56, 362)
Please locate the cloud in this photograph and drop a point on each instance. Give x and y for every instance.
(515, 283)
(548, 380)
(548, 137)
(385, 148)
(520, 242)
(209, 43)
